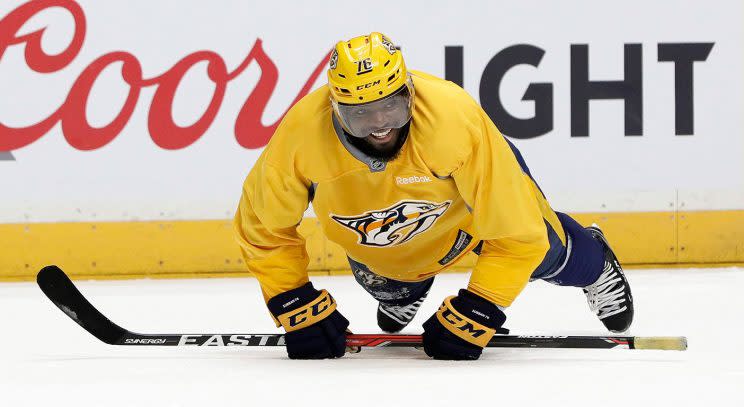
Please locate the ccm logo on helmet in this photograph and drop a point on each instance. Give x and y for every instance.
(368, 85)
(314, 310)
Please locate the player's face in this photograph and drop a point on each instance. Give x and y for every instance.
(378, 122)
(386, 149)
(383, 138)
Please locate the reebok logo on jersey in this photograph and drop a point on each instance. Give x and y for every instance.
(394, 225)
(411, 180)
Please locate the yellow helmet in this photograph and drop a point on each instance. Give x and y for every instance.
(364, 70)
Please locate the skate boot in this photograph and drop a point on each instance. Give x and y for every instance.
(393, 318)
(609, 297)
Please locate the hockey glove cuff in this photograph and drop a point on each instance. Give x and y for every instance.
(315, 329)
(462, 327)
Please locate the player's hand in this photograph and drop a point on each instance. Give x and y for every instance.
(315, 329)
(461, 327)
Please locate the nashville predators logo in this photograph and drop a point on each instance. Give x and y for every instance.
(395, 225)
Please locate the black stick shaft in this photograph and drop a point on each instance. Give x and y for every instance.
(373, 340)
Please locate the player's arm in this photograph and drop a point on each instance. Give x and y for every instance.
(272, 203)
(271, 207)
(506, 213)
(507, 217)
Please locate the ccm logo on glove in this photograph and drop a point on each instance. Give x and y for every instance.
(462, 326)
(309, 314)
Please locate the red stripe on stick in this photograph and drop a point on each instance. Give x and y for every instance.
(375, 340)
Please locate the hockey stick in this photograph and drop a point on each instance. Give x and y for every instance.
(62, 292)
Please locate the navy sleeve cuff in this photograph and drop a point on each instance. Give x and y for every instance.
(479, 309)
(292, 299)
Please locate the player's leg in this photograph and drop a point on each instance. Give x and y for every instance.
(581, 257)
(398, 300)
(592, 265)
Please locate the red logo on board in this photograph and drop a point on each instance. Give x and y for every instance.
(249, 131)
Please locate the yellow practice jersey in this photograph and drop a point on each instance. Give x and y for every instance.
(455, 183)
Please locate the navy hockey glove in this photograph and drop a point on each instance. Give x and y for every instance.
(315, 329)
(462, 327)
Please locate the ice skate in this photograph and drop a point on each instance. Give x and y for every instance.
(393, 318)
(609, 297)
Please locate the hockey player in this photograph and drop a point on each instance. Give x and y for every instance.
(408, 174)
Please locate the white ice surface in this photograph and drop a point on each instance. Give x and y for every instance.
(47, 360)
